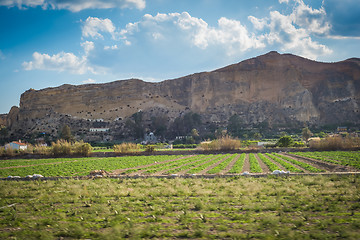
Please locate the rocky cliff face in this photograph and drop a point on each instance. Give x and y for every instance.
(279, 89)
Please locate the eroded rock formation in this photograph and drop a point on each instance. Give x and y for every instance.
(279, 89)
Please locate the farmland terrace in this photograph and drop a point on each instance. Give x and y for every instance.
(196, 165)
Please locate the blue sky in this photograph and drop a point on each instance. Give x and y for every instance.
(47, 43)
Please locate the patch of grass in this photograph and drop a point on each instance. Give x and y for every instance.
(265, 208)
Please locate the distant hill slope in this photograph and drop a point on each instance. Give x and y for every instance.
(279, 89)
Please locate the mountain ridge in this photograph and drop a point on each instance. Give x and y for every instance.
(276, 89)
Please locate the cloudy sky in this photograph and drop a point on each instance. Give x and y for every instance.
(47, 43)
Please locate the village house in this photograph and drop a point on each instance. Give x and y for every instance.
(16, 145)
(99, 129)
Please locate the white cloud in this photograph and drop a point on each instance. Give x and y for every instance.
(22, 4)
(88, 47)
(89, 81)
(2, 55)
(75, 5)
(93, 26)
(59, 62)
(313, 20)
(228, 34)
(294, 32)
(259, 24)
(113, 47)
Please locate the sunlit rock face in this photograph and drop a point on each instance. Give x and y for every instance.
(278, 89)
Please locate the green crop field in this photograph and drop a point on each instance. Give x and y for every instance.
(183, 164)
(293, 207)
(337, 157)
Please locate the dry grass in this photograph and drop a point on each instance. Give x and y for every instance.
(335, 143)
(64, 148)
(126, 147)
(224, 143)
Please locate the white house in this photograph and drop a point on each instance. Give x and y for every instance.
(16, 145)
(150, 138)
(99, 129)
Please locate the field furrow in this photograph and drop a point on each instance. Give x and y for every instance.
(222, 165)
(285, 164)
(254, 164)
(238, 165)
(301, 164)
(271, 165)
(202, 167)
(186, 167)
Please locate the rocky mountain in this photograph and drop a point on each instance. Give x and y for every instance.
(276, 89)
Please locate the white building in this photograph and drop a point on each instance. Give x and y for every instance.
(16, 145)
(99, 129)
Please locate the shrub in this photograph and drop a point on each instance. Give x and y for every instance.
(270, 145)
(285, 141)
(150, 148)
(2, 151)
(299, 144)
(335, 143)
(42, 150)
(185, 146)
(224, 143)
(61, 148)
(126, 147)
(82, 148)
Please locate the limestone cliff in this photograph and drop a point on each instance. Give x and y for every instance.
(279, 89)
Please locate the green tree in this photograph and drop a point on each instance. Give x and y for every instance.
(245, 136)
(306, 133)
(234, 125)
(3, 131)
(66, 134)
(195, 135)
(158, 125)
(134, 125)
(257, 136)
(220, 133)
(285, 141)
(183, 125)
(322, 134)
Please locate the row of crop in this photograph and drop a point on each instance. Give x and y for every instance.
(340, 157)
(26, 162)
(162, 166)
(204, 166)
(191, 165)
(173, 164)
(315, 155)
(194, 164)
(83, 167)
(254, 164)
(299, 163)
(239, 164)
(272, 166)
(283, 163)
(222, 165)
